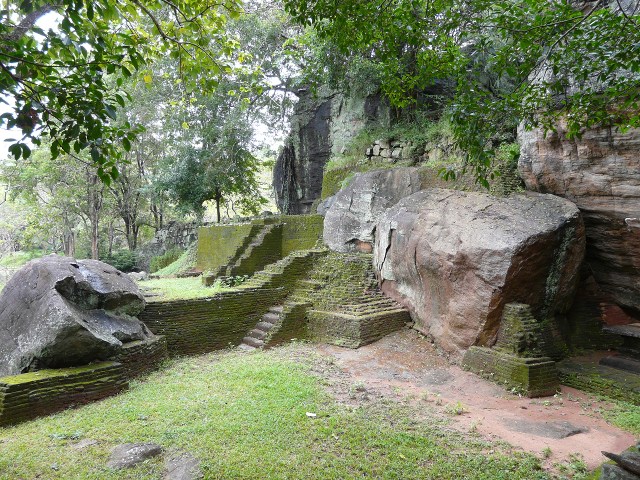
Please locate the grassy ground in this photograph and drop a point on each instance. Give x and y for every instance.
(18, 259)
(245, 416)
(178, 288)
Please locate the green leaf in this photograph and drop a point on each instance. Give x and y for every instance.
(110, 111)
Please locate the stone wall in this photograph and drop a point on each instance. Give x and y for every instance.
(392, 151)
(203, 325)
(300, 232)
(139, 358)
(221, 245)
(30, 395)
(174, 234)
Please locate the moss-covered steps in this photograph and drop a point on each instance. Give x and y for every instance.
(347, 307)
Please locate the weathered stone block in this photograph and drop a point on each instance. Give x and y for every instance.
(534, 377)
(354, 331)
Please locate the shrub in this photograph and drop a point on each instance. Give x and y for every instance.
(123, 260)
(167, 258)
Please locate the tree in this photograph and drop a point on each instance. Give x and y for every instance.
(63, 194)
(64, 83)
(544, 59)
(211, 159)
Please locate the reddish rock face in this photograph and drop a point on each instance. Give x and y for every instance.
(455, 259)
(600, 173)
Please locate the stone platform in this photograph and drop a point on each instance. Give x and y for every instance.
(588, 374)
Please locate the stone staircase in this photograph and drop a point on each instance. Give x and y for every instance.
(348, 308)
(285, 272)
(284, 321)
(221, 271)
(258, 253)
(259, 336)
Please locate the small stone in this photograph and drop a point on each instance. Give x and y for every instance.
(396, 153)
(375, 151)
(369, 152)
(84, 443)
(311, 415)
(182, 467)
(129, 455)
(138, 276)
(557, 430)
(613, 472)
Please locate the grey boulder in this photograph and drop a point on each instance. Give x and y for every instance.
(350, 221)
(59, 312)
(455, 259)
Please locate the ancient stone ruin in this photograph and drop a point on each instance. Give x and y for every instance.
(72, 324)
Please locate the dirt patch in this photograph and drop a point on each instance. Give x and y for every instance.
(406, 365)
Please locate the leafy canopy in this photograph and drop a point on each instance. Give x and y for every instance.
(507, 60)
(65, 83)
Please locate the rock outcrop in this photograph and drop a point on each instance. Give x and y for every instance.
(61, 312)
(600, 173)
(350, 221)
(323, 123)
(455, 259)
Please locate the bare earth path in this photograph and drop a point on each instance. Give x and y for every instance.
(407, 364)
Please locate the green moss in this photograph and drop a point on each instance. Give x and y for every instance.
(300, 232)
(53, 373)
(534, 377)
(184, 263)
(436, 140)
(600, 380)
(218, 244)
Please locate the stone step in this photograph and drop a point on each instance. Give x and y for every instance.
(276, 309)
(621, 362)
(244, 346)
(271, 317)
(264, 326)
(256, 333)
(629, 330)
(253, 342)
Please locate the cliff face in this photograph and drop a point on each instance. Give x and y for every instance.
(322, 125)
(600, 173)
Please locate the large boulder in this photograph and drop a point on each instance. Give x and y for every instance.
(600, 173)
(61, 312)
(456, 258)
(350, 222)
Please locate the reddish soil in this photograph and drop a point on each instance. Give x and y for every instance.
(407, 364)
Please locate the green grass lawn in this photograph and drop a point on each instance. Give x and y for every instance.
(178, 288)
(245, 416)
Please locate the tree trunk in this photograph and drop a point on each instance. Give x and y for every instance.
(218, 199)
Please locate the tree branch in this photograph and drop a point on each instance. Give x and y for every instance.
(29, 21)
